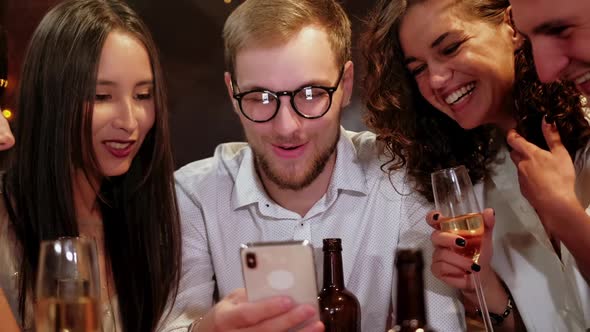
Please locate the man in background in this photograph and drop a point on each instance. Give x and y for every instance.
(560, 34)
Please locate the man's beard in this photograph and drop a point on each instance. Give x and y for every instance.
(290, 183)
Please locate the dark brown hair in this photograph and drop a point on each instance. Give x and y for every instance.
(54, 135)
(421, 138)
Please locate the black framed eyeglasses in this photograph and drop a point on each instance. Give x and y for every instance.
(309, 102)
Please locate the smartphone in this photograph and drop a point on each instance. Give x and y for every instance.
(280, 268)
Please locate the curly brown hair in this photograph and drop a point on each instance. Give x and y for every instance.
(423, 139)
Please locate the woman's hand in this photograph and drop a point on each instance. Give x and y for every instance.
(6, 137)
(546, 178)
(448, 264)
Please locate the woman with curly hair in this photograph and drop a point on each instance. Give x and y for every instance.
(448, 81)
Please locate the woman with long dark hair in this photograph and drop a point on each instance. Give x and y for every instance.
(93, 159)
(447, 81)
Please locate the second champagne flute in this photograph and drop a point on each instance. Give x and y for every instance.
(455, 200)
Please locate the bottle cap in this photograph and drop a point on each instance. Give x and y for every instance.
(409, 256)
(332, 245)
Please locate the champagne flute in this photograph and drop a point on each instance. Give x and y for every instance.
(67, 289)
(455, 199)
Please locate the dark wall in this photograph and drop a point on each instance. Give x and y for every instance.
(188, 34)
(19, 18)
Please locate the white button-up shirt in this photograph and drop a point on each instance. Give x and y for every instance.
(223, 204)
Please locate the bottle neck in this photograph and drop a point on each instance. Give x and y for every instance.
(333, 276)
(410, 296)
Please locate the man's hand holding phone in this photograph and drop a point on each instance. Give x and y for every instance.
(279, 313)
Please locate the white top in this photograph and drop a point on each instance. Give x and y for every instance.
(223, 204)
(550, 293)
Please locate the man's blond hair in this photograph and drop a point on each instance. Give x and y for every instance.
(258, 23)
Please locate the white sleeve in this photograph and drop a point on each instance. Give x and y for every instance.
(195, 292)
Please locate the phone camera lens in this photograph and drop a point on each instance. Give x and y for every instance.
(251, 260)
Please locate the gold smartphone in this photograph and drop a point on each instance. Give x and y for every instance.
(280, 268)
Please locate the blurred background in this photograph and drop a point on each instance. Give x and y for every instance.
(188, 34)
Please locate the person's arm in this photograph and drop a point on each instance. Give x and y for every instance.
(572, 227)
(6, 316)
(195, 291)
(547, 180)
(6, 137)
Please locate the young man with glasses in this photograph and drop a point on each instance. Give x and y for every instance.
(300, 176)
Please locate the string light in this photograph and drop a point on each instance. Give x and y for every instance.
(7, 113)
(3, 83)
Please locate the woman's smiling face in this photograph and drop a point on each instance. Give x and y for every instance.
(463, 65)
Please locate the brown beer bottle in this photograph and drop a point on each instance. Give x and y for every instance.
(340, 310)
(410, 313)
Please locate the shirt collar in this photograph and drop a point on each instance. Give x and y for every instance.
(248, 188)
(348, 175)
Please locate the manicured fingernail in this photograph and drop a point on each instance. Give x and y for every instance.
(435, 217)
(460, 242)
(475, 267)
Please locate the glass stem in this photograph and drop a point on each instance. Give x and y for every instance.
(487, 322)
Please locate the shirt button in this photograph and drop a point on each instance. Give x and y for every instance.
(267, 205)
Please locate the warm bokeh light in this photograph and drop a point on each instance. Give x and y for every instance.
(7, 113)
(3, 83)
(227, 1)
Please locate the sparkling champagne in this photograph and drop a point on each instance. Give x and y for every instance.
(471, 228)
(71, 315)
